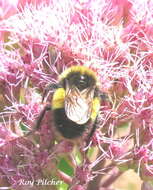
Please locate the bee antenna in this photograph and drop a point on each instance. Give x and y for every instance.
(50, 87)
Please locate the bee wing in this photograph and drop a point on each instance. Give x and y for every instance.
(78, 105)
(88, 93)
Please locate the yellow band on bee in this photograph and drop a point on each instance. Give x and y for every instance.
(95, 108)
(58, 98)
(58, 102)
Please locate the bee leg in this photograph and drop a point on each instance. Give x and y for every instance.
(95, 126)
(87, 141)
(39, 120)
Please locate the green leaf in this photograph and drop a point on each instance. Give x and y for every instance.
(65, 167)
(123, 125)
(23, 127)
(63, 186)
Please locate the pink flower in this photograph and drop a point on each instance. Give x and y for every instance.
(78, 187)
(121, 11)
(40, 39)
(83, 174)
(7, 8)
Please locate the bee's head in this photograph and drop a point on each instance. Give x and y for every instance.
(80, 81)
(80, 77)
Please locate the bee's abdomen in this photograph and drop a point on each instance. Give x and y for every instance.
(66, 127)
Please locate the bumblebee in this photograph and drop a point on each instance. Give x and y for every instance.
(75, 103)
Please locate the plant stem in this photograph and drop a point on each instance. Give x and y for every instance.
(111, 179)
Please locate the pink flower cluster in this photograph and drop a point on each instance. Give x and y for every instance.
(38, 40)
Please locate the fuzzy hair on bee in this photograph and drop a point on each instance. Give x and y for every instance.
(75, 103)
